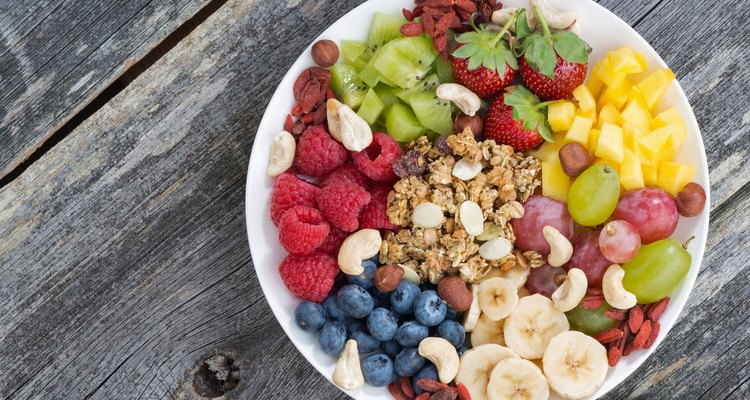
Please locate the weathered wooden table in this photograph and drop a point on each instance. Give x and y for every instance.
(124, 265)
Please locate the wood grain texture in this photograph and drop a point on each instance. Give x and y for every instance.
(57, 55)
(124, 260)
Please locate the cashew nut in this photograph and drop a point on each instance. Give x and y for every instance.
(348, 373)
(347, 127)
(556, 19)
(441, 353)
(410, 274)
(560, 248)
(427, 215)
(359, 246)
(503, 15)
(615, 294)
(471, 217)
(466, 100)
(282, 153)
(572, 291)
(465, 170)
(495, 249)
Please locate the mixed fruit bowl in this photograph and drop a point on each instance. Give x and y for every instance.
(473, 202)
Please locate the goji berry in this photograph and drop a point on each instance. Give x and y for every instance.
(408, 14)
(410, 29)
(592, 303)
(616, 314)
(643, 335)
(635, 319)
(655, 326)
(423, 396)
(609, 335)
(431, 385)
(613, 356)
(463, 392)
(445, 394)
(395, 390)
(288, 123)
(658, 309)
(407, 388)
(594, 292)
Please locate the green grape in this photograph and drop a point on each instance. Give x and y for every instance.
(590, 322)
(594, 195)
(655, 271)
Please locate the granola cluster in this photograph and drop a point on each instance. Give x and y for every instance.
(505, 181)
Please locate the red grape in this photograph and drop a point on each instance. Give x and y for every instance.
(619, 241)
(651, 211)
(588, 257)
(542, 280)
(538, 212)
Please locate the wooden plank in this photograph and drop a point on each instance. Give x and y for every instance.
(124, 258)
(57, 55)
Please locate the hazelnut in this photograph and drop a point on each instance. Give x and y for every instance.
(574, 159)
(475, 123)
(325, 53)
(453, 291)
(691, 200)
(388, 277)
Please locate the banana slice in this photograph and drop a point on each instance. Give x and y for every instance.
(471, 316)
(517, 379)
(575, 364)
(532, 324)
(487, 331)
(497, 298)
(517, 275)
(477, 365)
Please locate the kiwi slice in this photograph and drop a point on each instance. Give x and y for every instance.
(371, 107)
(433, 113)
(356, 53)
(346, 84)
(406, 61)
(402, 124)
(387, 94)
(383, 29)
(429, 84)
(370, 75)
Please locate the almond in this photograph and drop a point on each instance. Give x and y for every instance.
(453, 291)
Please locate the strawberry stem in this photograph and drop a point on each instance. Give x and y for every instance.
(505, 29)
(542, 21)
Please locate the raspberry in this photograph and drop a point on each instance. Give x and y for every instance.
(341, 203)
(346, 173)
(309, 277)
(302, 229)
(376, 161)
(374, 214)
(317, 152)
(290, 191)
(332, 243)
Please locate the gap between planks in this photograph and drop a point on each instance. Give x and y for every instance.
(116, 86)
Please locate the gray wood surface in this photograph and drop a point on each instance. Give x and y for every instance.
(57, 55)
(124, 261)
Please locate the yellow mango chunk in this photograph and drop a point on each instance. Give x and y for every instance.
(631, 174)
(624, 60)
(548, 151)
(638, 56)
(593, 83)
(586, 100)
(653, 142)
(560, 115)
(579, 130)
(616, 97)
(637, 95)
(555, 184)
(655, 85)
(610, 145)
(608, 115)
(674, 176)
(637, 114)
(671, 117)
(608, 76)
(650, 174)
(593, 140)
(665, 154)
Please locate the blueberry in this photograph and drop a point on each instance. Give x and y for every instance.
(365, 278)
(339, 281)
(374, 259)
(429, 309)
(462, 350)
(355, 301)
(383, 299)
(403, 298)
(310, 317)
(408, 362)
(382, 324)
(365, 342)
(378, 370)
(332, 338)
(453, 314)
(429, 371)
(411, 333)
(391, 348)
(332, 309)
(452, 331)
(355, 325)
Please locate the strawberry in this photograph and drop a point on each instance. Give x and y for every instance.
(552, 65)
(518, 119)
(483, 61)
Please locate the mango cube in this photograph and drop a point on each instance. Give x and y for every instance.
(555, 184)
(654, 142)
(593, 140)
(586, 100)
(549, 150)
(650, 174)
(671, 117)
(560, 115)
(609, 76)
(630, 135)
(610, 145)
(674, 176)
(637, 95)
(608, 115)
(616, 97)
(624, 60)
(655, 85)
(579, 130)
(638, 56)
(631, 174)
(593, 83)
(637, 114)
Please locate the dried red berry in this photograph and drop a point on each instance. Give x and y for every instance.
(609, 335)
(431, 385)
(411, 163)
(616, 314)
(613, 356)
(655, 327)
(408, 14)
(411, 29)
(592, 303)
(628, 349)
(423, 396)
(594, 292)
(463, 392)
(407, 388)
(445, 394)
(288, 123)
(635, 320)
(395, 389)
(643, 335)
(657, 309)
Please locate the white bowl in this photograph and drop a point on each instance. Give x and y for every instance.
(603, 30)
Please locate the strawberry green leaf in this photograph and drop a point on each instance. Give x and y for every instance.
(540, 55)
(467, 37)
(522, 25)
(528, 111)
(570, 47)
(466, 50)
(487, 49)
